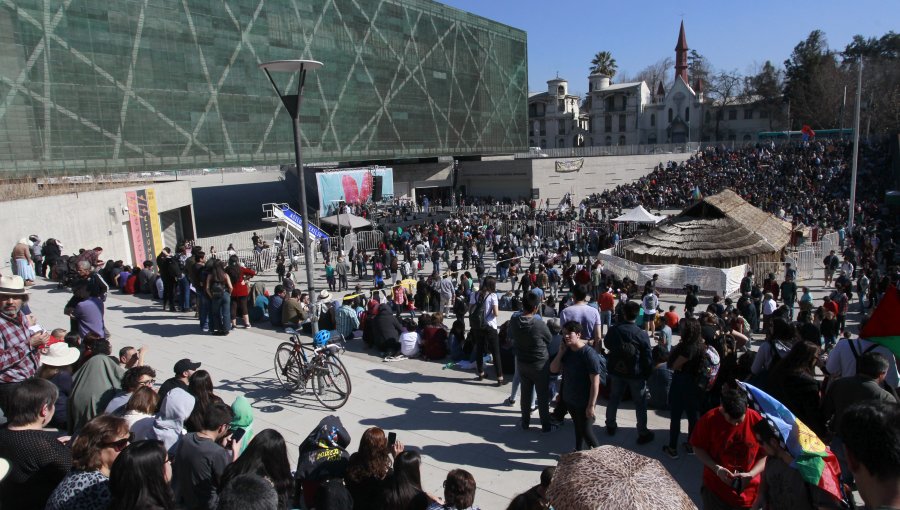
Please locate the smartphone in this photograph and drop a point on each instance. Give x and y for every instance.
(392, 438)
(237, 434)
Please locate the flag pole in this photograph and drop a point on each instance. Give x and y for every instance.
(853, 170)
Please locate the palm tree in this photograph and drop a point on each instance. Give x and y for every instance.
(603, 62)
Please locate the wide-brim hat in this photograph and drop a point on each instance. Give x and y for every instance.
(60, 355)
(12, 286)
(324, 295)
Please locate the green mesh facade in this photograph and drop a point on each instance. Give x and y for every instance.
(106, 86)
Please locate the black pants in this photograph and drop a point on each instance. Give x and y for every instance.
(584, 427)
(169, 293)
(535, 377)
(488, 340)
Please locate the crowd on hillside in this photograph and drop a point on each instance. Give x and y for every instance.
(88, 427)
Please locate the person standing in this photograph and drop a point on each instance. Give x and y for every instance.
(483, 310)
(584, 314)
(340, 270)
(789, 294)
(446, 290)
(684, 394)
(21, 257)
(218, 288)
(724, 442)
(531, 338)
(630, 363)
(582, 369)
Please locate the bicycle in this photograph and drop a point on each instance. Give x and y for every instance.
(300, 365)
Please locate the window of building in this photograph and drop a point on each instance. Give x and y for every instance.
(624, 102)
(543, 144)
(608, 140)
(622, 120)
(607, 123)
(621, 140)
(687, 114)
(610, 105)
(531, 143)
(652, 120)
(732, 114)
(720, 115)
(670, 115)
(560, 105)
(763, 114)
(746, 138)
(532, 110)
(748, 114)
(562, 128)
(562, 143)
(543, 129)
(652, 138)
(560, 91)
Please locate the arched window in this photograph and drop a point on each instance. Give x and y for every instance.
(560, 91)
(608, 140)
(652, 120)
(670, 115)
(687, 114)
(621, 140)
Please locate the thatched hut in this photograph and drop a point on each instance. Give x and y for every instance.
(720, 231)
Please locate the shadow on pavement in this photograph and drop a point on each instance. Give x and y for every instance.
(268, 390)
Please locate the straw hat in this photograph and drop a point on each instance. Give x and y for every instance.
(60, 355)
(324, 295)
(12, 286)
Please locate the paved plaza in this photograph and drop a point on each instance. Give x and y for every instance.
(453, 420)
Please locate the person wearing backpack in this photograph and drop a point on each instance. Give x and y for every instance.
(218, 288)
(483, 310)
(685, 393)
(843, 358)
(629, 365)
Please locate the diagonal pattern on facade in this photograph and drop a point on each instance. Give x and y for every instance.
(93, 86)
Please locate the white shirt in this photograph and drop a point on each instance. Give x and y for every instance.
(842, 363)
(409, 344)
(769, 306)
(489, 303)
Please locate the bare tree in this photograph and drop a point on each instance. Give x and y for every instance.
(725, 88)
(652, 74)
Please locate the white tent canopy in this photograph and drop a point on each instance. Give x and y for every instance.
(639, 215)
(346, 220)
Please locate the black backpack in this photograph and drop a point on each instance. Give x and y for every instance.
(477, 320)
(623, 358)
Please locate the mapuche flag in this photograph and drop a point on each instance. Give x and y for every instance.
(882, 327)
(816, 463)
(807, 132)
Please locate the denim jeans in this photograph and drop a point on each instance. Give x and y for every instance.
(638, 389)
(184, 294)
(203, 308)
(221, 312)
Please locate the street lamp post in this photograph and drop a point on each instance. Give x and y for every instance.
(292, 104)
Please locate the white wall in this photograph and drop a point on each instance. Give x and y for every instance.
(84, 220)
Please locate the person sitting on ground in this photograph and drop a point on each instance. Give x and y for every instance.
(168, 426)
(410, 341)
(265, 456)
(369, 466)
(139, 479)
(200, 386)
(56, 367)
(184, 368)
(140, 411)
(434, 338)
(130, 357)
(403, 488)
(95, 384)
(248, 492)
(202, 457)
(93, 452)
(38, 462)
(133, 379)
(386, 331)
(459, 492)
(292, 312)
(276, 305)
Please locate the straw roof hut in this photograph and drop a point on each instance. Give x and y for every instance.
(722, 230)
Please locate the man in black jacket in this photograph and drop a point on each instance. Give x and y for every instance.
(629, 365)
(531, 337)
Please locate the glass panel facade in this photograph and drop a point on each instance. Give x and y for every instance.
(92, 86)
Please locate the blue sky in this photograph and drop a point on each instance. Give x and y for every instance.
(563, 35)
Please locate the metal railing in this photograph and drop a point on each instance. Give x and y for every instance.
(239, 240)
(615, 150)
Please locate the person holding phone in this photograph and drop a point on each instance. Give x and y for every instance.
(369, 467)
(202, 457)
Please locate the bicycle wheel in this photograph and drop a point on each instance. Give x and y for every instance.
(287, 366)
(331, 384)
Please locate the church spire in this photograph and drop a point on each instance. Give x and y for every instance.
(681, 53)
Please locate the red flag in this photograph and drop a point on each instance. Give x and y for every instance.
(882, 327)
(808, 131)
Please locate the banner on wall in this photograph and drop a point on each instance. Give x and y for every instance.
(572, 165)
(351, 186)
(143, 218)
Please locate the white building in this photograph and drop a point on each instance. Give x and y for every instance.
(633, 113)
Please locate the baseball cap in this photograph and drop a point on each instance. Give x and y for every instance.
(185, 364)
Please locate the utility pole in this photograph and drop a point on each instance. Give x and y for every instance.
(855, 149)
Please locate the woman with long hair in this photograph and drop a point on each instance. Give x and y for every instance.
(487, 339)
(265, 456)
(239, 275)
(140, 478)
(792, 382)
(218, 289)
(200, 385)
(403, 489)
(93, 453)
(368, 467)
(685, 395)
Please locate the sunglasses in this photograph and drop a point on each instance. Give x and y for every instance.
(121, 444)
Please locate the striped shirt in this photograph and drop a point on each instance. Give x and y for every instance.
(347, 320)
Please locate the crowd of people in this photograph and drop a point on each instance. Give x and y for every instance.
(87, 428)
